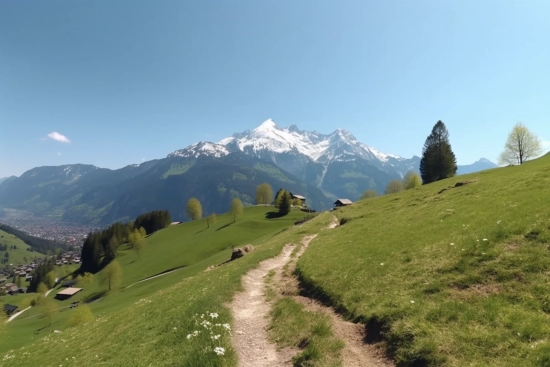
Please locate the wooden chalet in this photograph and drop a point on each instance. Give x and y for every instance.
(342, 202)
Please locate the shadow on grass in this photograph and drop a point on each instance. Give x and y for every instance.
(222, 227)
(202, 230)
(94, 296)
(273, 215)
(42, 328)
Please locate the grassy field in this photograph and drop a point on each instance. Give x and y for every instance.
(17, 256)
(448, 276)
(153, 305)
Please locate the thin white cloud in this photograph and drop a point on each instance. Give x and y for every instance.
(58, 137)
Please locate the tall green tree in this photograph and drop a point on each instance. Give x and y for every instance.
(236, 208)
(411, 180)
(285, 204)
(194, 209)
(520, 146)
(264, 194)
(438, 160)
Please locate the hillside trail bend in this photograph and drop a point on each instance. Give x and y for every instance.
(250, 311)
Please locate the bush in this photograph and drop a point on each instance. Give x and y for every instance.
(81, 315)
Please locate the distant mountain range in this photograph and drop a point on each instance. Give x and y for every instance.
(480, 165)
(320, 167)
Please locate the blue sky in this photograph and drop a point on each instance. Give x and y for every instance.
(126, 81)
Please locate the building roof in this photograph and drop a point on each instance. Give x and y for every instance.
(294, 196)
(69, 291)
(10, 308)
(344, 201)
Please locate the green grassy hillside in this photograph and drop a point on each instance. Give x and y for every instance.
(191, 246)
(446, 274)
(449, 275)
(18, 255)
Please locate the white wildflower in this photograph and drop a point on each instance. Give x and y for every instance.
(382, 264)
(215, 337)
(412, 301)
(227, 326)
(219, 351)
(485, 239)
(452, 244)
(213, 315)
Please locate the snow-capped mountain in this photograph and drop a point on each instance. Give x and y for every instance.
(339, 145)
(201, 148)
(337, 163)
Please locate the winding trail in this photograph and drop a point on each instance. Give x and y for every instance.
(251, 311)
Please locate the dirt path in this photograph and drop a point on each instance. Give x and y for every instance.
(356, 352)
(250, 311)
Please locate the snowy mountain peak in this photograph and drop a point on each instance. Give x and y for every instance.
(201, 148)
(269, 139)
(266, 126)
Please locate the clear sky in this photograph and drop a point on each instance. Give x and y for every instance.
(128, 80)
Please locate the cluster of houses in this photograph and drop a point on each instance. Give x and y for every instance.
(25, 272)
(69, 257)
(22, 271)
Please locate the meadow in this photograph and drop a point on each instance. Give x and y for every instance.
(164, 300)
(454, 273)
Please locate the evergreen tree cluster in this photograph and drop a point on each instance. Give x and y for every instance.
(101, 247)
(39, 244)
(41, 273)
(153, 221)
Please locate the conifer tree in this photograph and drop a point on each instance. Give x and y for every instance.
(438, 160)
(285, 205)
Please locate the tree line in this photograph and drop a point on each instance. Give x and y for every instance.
(101, 247)
(264, 196)
(439, 162)
(38, 244)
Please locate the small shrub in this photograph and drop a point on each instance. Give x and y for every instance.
(80, 316)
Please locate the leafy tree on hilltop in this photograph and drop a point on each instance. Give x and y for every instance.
(285, 204)
(438, 160)
(194, 209)
(369, 194)
(411, 180)
(211, 220)
(393, 187)
(112, 275)
(520, 146)
(264, 194)
(236, 208)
